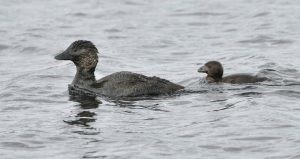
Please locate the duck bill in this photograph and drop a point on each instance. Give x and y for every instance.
(203, 69)
(63, 56)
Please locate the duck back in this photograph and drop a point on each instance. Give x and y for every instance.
(128, 84)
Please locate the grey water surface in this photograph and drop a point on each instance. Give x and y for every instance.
(166, 38)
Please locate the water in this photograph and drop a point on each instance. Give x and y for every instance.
(169, 39)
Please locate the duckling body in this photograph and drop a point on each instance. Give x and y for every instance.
(119, 84)
(214, 71)
(243, 78)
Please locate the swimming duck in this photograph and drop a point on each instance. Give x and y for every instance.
(120, 84)
(214, 71)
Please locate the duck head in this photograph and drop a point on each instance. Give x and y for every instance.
(83, 53)
(214, 71)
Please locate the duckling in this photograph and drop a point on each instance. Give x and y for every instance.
(84, 55)
(214, 71)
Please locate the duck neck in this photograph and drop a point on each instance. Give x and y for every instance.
(84, 77)
(218, 79)
(213, 79)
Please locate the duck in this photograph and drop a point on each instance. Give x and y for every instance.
(214, 71)
(84, 55)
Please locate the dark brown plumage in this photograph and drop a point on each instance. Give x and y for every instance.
(120, 84)
(214, 71)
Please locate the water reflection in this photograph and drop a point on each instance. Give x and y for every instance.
(87, 115)
(133, 103)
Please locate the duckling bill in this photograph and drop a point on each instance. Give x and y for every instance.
(214, 71)
(84, 55)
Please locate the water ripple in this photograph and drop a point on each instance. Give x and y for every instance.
(262, 14)
(259, 138)
(3, 47)
(262, 39)
(202, 14)
(288, 93)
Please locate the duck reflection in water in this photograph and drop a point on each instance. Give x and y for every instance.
(86, 116)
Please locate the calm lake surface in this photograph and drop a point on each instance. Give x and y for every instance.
(170, 39)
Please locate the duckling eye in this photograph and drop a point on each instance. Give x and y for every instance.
(75, 50)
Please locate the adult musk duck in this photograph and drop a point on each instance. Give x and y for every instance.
(120, 84)
(214, 71)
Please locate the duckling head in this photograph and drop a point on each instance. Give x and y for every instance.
(213, 69)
